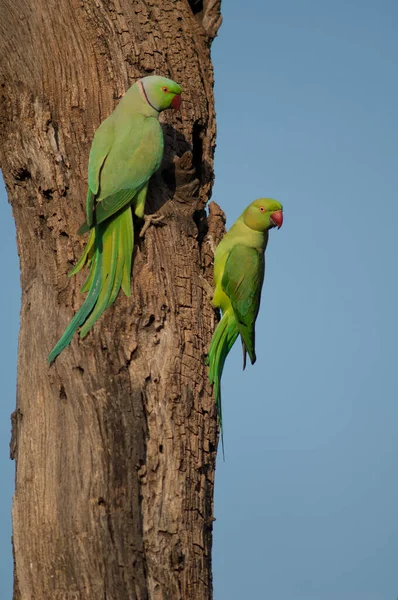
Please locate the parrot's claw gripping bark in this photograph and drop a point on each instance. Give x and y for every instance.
(209, 291)
(151, 220)
(207, 288)
(211, 243)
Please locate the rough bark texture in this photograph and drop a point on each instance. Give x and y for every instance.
(115, 443)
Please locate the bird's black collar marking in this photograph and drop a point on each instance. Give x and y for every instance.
(146, 97)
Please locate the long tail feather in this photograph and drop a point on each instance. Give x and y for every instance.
(108, 254)
(87, 255)
(223, 339)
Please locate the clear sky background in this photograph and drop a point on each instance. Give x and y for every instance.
(307, 500)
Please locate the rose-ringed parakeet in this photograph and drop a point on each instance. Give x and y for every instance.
(238, 279)
(127, 149)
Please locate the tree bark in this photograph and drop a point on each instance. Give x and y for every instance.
(115, 443)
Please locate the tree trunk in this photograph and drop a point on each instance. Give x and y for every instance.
(115, 443)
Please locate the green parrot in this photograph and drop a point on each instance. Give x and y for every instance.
(238, 278)
(126, 151)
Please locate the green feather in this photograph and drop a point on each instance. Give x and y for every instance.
(109, 206)
(127, 245)
(90, 205)
(109, 253)
(80, 316)
(223, 339)
(86, 256)
(90, 277)
(110, 266)
(242, 282)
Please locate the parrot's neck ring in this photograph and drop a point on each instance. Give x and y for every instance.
(146, 97)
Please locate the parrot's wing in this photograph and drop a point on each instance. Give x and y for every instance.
(112, 204)
(242, 282)
(108, 207)
(105, 154)
(100, 148)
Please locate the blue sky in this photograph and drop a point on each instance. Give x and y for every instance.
(307, 500)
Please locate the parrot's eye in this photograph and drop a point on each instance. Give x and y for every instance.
(165, 90)
(262, 209)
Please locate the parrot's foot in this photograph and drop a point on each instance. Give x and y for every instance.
(207, 288)
(210, 241)
(151, 220)
(209, 291)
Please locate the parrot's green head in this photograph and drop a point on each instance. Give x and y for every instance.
(263, 214)
(161, 93)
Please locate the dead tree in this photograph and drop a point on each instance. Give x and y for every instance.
(115, 443)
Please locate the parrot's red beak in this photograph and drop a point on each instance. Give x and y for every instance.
(176, 102)
(277, 218)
